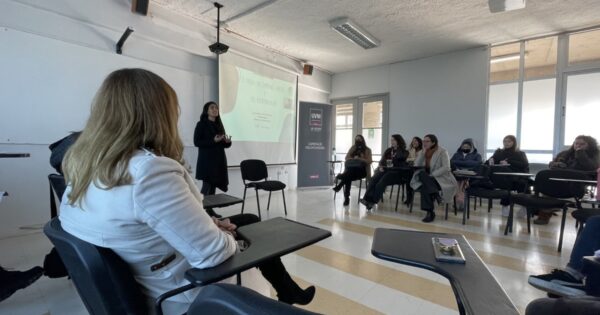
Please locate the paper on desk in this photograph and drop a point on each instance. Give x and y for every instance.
(2, 194)
(597, 253)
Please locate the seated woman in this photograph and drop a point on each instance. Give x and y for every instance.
(465, 158)
(583, 155)
(397, 155)
(416, 145)
(357, 166)
(129, 191)
(512, 160)
(435, 177)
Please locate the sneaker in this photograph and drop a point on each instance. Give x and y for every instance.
(558, 282)
(15, 280)
(505, 211)
(369, 205)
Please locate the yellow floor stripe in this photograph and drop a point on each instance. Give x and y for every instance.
(410, 284)
(331, 303)
(517, 244)
(489, 258)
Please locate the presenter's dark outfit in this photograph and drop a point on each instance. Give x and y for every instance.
(382, 179)
(211, 167)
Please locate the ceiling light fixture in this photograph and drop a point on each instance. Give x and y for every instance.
(356, 34)
(505, 5)
(503, 58)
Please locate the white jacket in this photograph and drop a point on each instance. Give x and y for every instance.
(440, 170)
(158, 215)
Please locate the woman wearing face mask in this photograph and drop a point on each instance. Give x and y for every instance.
(513, 160)
(435, 178)
(465, 158)
(396, 154)
(357, 166)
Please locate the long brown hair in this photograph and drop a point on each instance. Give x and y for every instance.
(133, 108)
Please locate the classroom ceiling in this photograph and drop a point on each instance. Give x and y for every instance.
(407, 29)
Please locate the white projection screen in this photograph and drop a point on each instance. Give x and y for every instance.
(257, 105)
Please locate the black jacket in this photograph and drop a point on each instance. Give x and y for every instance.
(398, 159)
(576, 160)
(469, 161)
(517, 159)
(212, 162)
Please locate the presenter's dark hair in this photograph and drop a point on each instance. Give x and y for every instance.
(204, 117)
(433, 139)
(400, 141)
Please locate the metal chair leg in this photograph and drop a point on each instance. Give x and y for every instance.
(269, 202)
(446, 216)
(244, 198)
(528, 221)
(562, 228)
(258, 204)
(391, 191)
(397, 197)
(284, 206)
(489, 205)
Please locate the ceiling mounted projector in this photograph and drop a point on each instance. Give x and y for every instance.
(218, 47)
(505, 5)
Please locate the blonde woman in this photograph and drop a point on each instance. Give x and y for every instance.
(129, 191)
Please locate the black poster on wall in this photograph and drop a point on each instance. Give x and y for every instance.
(314, 144)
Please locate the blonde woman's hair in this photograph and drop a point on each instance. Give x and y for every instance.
(133, 108)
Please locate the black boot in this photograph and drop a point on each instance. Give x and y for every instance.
(338, 187)
(429, 217)
(287, 289)
(11, 281)
(346, 200)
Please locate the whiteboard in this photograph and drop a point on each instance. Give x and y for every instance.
(47, 86)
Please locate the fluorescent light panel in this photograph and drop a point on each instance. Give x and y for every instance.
(505, 5)
(503, 58)
(354, 33)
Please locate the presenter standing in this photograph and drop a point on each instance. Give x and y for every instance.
(211, 140)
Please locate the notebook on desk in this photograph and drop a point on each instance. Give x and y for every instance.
(447, 250)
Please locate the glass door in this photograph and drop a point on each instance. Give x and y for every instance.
(372, 125)
(361, 115)
(344, 128)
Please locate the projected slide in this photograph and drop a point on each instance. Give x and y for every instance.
(258, 109)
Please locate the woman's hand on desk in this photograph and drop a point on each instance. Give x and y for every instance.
(225, 225)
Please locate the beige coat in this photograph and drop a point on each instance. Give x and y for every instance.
(440, 170)
(367, 156)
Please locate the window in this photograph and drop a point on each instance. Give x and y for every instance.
(582, 106)
(584, 47)
(525, 78)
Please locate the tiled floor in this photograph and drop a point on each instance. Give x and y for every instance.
(348, 278)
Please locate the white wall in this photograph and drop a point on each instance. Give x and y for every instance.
(54, 56)
(444, 95)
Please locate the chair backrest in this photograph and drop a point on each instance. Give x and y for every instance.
(57, 182)
(254, 170)
(560, 189)
(103, 280)
(229, 299)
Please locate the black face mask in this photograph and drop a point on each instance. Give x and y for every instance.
(465, 150)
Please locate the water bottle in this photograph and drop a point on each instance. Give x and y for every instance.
(334, 157)
(597, 183)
